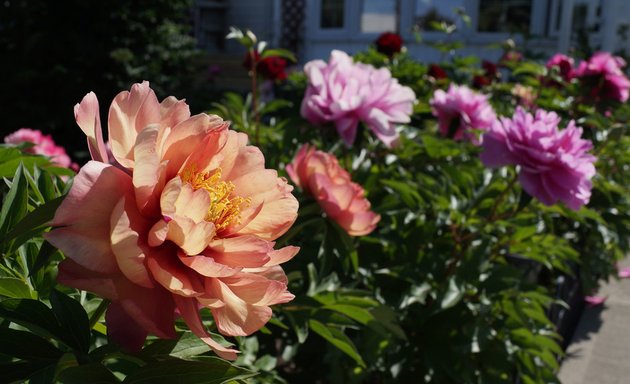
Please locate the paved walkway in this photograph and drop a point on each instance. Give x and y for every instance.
(600, 350)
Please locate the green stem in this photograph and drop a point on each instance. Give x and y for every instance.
(98, 313)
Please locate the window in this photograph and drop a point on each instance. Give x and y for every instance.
(379, 16)
(331, 16)
(511, 16)
(429, 11)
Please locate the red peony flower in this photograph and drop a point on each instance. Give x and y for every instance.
(437, 72)
(272, 68)
(389, 43)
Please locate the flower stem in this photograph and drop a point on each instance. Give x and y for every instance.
(252, 55)
(98, 313)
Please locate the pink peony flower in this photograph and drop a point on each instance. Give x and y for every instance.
(603, 75)
(187, 220)
(624, 273)
(44, 145)
(346, 93)
(555, 165)
(595, 301)
(564, 64)
(460, 110)
(319, 175)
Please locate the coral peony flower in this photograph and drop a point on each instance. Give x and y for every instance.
(389, 43)
(564, 64)
(44, 145)
(272, 68)
(319, 175)
(186, 220)
(555, 165)
(346, 93)
(460, 110)
(603, 75)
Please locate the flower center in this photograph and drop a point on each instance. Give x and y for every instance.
(225, 208)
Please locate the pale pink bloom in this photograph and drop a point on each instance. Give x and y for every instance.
(346, 93)
(624, 273)
(594, 301)
(320, 175)
(564, 64)
(461, 110)
(603, 75)
(44, 145)
(186, 220)
(554, 164)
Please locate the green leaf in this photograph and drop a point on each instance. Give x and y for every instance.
(15, 204)
(88, 373)
(188, 346)
(361, 315)
(452, 296)
(43, 256)
(32, 314)
(73, 320)
(338, 339)
(210, 370)
(39, 217)
(15, 288)
(21, 370)
(27, 346)
(279, 52)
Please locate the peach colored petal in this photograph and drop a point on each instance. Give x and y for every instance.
(248, 160)
(129, 114)
(127, 226)
(190, 312)
(240, 251)
(74, 275)
(279, 206)
(83, 218)
(190, 236)
(258, 290)
(148, 173)
(237, 317)
(123, 330)
(186, 135)
(157, 234)
(167, 270)
(206, 266)
(153, 309)
(282, 255)
(86, 113)
(230, 150)
(173, 111)
(208, 154)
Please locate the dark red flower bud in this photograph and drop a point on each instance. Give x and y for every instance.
(389, 43)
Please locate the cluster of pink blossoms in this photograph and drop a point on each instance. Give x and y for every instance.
(460, 111)
(319, 175)
(554, 164)
(602, 74)
(44, 145)
(185, 220)
(346, 93)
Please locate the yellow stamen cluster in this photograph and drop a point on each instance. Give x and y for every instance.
(224, 209)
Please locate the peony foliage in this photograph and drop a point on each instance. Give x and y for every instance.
(372, 219)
